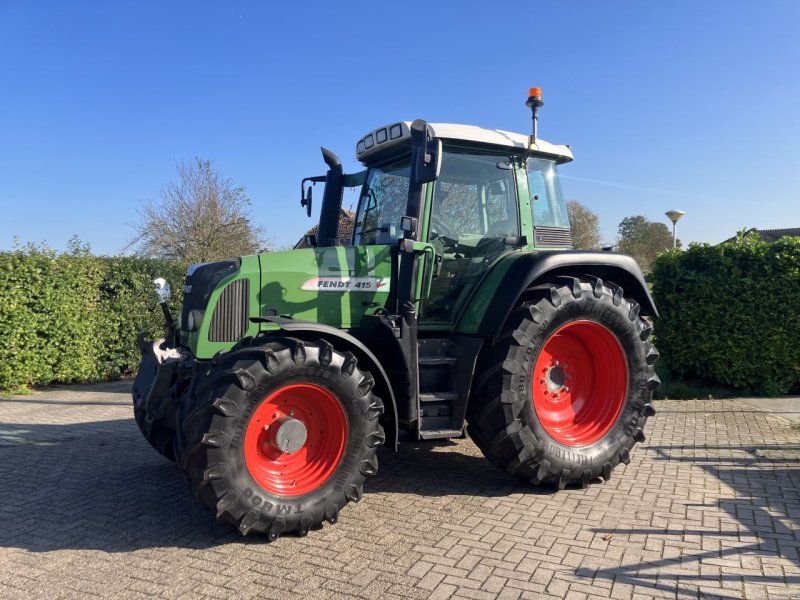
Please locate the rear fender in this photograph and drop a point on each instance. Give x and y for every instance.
(501, 289)
(308, 330)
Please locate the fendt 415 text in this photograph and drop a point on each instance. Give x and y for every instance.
(457, 306)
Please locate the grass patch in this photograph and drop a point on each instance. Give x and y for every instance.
(676, 388)
(21, 390)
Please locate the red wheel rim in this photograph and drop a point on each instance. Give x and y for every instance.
(305, 407)
(580, 381)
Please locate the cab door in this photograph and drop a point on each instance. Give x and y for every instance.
(473, 220)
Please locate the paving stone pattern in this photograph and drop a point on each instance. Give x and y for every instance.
(709, 507)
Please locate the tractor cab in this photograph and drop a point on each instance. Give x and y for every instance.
(493, 194)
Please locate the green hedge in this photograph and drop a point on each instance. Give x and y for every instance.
(74, 317)
(730, 314)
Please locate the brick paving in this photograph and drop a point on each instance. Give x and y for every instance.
(708, 508)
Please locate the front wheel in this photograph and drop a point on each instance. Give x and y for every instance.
(279, 434)
(564, 393)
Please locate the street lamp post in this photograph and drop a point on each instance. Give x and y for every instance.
(674, 216)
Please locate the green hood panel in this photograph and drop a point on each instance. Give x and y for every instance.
(336, 286)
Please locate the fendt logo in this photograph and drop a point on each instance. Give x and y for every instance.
(347, 284)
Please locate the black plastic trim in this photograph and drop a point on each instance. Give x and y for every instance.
(534, 267)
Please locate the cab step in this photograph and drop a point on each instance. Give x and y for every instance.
(440, 434)
(439, 397)
(437, 361)
(445, 372)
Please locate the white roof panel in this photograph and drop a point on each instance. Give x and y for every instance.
(378, 140)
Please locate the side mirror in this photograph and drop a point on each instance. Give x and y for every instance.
(306, 201)
(305, 193)
(163, 289)
(427, 152)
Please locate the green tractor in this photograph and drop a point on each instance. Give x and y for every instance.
(458, 306)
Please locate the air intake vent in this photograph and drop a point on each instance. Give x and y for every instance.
(229, 322)
(552, 237)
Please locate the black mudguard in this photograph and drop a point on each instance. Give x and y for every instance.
(300, 328)
(535, 267)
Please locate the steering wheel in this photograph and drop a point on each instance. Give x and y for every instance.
(443, 232)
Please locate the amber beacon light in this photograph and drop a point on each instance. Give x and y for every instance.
(534, 102)
(534, 97)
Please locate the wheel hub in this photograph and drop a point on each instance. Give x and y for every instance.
(555, 378)
(580, 382)
(286, 434)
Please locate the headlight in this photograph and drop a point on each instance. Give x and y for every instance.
(194, 320)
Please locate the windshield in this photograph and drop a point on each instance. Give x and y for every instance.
(381, 205)
(549, 209)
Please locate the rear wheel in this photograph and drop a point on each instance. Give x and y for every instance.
(564, 393)
(278, 435)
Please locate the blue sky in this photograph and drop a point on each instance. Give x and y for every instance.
(688, 105)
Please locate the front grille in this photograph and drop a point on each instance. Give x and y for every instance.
(552, 237)
(229, 322)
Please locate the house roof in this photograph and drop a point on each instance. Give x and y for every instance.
(770, 235)
(343, 235)
(773, 235)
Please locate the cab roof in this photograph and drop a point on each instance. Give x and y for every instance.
(395, 135)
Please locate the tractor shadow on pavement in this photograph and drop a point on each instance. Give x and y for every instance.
(758, 525)
(445, 468)
(100, 486)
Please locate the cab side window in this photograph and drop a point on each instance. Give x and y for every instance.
(474, 210)
(548, 206)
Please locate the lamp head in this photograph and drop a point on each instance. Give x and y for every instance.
(674, 215)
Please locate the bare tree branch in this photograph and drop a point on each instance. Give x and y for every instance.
(200, 218)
